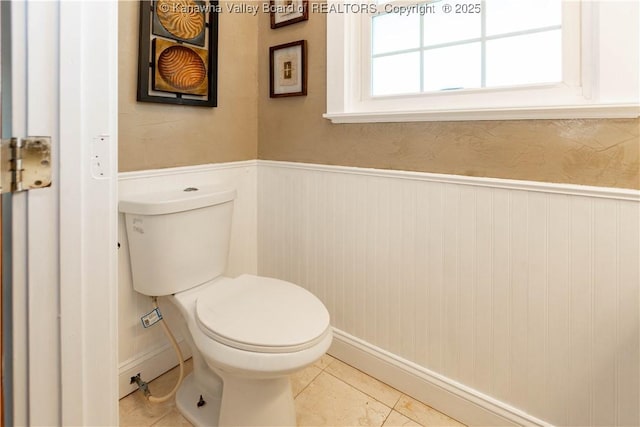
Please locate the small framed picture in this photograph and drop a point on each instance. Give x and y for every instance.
(288, 69)
(287, 12)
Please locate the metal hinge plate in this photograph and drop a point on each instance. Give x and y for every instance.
(25, 163)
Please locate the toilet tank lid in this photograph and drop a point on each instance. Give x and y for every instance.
(178, 200)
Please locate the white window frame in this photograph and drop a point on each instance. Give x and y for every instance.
(601, 74)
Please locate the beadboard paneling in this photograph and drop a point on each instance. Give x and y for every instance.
(528, 294)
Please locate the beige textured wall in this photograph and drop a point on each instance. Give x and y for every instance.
(248, 124)
(589, 152)
(159, 135)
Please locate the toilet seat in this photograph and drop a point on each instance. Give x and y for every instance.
(261, 315)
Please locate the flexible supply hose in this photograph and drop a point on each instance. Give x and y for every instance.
(172, 339)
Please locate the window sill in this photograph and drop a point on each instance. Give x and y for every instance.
(615, 111)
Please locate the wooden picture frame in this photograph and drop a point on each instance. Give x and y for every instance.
(288, 69)
(287, 12)
(178, 52)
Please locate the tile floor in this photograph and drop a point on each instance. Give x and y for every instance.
(328, 393)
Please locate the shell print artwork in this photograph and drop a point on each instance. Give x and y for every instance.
(178, 52)
(184, 19)
(182, 68)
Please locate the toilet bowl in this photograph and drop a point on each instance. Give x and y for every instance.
(254, 332)
(247, 334)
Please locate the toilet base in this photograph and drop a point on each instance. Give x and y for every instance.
(187, 399)
(247, 402)
(256, 402)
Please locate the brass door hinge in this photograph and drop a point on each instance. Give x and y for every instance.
(25, 163)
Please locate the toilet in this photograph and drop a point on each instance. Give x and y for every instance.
(247, 334)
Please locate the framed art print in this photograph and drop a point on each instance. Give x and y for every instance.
(178, 52)
(288, 69)
(287, 12)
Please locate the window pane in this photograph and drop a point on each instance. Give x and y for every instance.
(506, 16)
(395, 74)
(392, 32)
(455, 67)
(440, 27)
(533, 58)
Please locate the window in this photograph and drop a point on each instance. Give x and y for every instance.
(424, 49)
(491, 59)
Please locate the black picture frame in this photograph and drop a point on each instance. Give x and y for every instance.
(151, 34)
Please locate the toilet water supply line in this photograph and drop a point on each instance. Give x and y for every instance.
(142, 385)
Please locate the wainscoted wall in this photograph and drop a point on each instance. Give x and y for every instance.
(147, 351)
(516, 297)
(522, 293)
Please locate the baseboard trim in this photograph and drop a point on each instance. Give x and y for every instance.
(457, 400)
(149, 365)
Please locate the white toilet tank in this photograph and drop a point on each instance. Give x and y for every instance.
(177, 239)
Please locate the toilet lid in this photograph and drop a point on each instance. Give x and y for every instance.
(262, 315)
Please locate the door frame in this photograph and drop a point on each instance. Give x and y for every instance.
(89, 221)
(64, 69)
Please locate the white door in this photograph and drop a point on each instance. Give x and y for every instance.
(64, 341)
